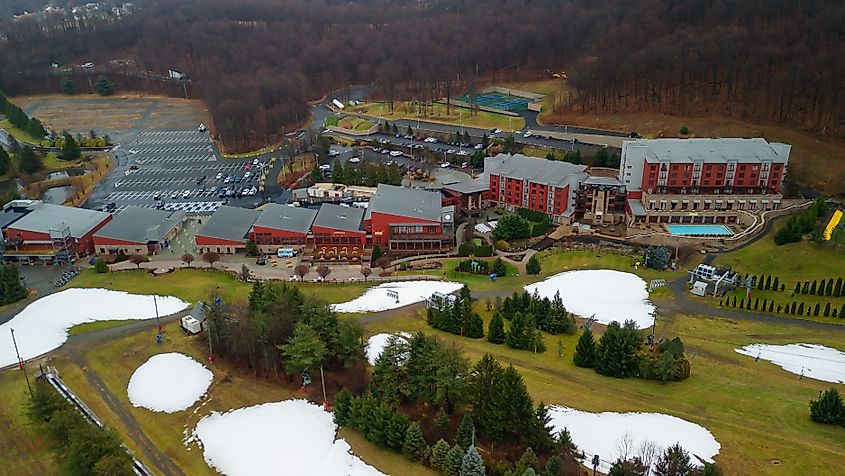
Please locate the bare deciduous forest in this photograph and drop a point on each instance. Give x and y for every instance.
(257, 62)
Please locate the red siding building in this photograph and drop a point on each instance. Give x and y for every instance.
(47, 232)
(281, 226)
(518, 181)
(406, 221)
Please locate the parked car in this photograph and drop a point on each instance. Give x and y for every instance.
(218, 176)
(354, 160)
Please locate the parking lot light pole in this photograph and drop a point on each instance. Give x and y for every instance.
(21, 364)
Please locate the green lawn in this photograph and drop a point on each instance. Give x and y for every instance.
(556, 260)
(20, 135)
(194, 285)
(757, 411)
(804, 261)
(407, 110)
(21, 447)
(95, 326)
(476, 282)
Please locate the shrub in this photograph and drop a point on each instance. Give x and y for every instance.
(502, 245)
(512, 226)
(828, 409)
(539, 229)
(684, 130)
(533, 265)
(532, 215)
(463, 250)
(483, 251)
(473, 266)
(100, 266)
(499, 267)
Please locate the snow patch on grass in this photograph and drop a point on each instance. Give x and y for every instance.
(289, 437)
(610, 295)
(43, 325)
(168, 383)
(605, 433)
(812, 360)
(410, 292)
(376, 344)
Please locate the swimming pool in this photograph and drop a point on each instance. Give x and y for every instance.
(699, 230)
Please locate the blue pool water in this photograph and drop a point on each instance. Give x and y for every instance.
(699, 230)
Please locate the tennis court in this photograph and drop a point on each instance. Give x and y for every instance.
(496, 100)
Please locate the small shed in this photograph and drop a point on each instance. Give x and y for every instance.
(699, 288)
(194, 322)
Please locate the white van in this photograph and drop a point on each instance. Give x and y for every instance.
(286, 252)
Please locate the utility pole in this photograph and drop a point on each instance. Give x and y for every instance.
(158, 321)
(323, 381)
(21, 364)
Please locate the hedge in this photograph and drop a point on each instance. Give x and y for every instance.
(483, 251)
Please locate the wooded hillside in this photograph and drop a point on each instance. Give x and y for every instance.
(257, 62)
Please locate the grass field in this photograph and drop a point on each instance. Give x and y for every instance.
(757, 411)
(476, 282)
(21, 447)
(349, 122)
(408, 110)
(194, 285)
(20, 135)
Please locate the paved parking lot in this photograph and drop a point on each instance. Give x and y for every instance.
(176, 169)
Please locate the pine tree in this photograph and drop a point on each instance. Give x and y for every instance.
(816, 310)
(828, 290)
(529, 472)
(526, 461)
(465, 432)
(837, 290)
(454, 460)
(760, 282)
(10, 284)
(517, 335)
(585, 350)
(553, 466)
(842, 311)
(496, 329)
(441, 420)
(472, 464)
(414, 447)
(797, 288)
(674, 461)
(475, 329)
(827, 309)
(756, 303)
(813, 287)
(438, 454)
(772, 305)
(768, 282)
(533, 265)
(776, 284)
(801, 308)
(822, 285)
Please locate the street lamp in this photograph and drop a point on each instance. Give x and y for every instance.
(595, 463)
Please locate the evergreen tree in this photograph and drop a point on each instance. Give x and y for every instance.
(541, 435)
(837, 290)
(816, 310)
(438, 454)
(674, 461)
(414, 447)
(29, 161)
(516, 406)
(304, 350)
(11, 287)
(768, 282)
(842, 311)
(496, 329)
(760, 282)
(533, 265)
(797, 288)
(499, 268)
(827, 309)
(528, 460)
(553, 466)
(453, 462)
(828, 290)
(103, 86)
(822, 285)
(441, 420)
(772, 305)
(813, 287)
(517, 335)
(472, 464)
(67, 86)
(475, 329)
(776, 284)
(585, 350)
(756, 303)
(529, 472)
(801, 308)
(616, 351)
(70, 148)
(466, 431)
(5, 161)
(343, 407)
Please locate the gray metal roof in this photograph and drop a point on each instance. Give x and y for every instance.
(594, 180)
(281, 217)
(9, 216)
(339, 218)
(637, 208)
(406, 202)
(141, 225)
(534, 169)
(470, 186)
(712, 150)
(46, 216)
(229, 223)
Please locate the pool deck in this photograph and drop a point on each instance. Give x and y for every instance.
(699, 230)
